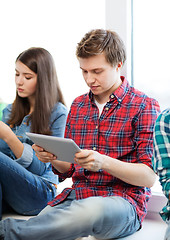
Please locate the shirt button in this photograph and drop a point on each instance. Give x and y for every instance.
(112, 96)
(107, 108)
(96, 127)
(94, 148)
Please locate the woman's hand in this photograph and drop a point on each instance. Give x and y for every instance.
(42, 155)
(90, 160)
(5, 131)
(11, 139)
(46, 157)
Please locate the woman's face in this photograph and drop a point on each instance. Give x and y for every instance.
(25, 80)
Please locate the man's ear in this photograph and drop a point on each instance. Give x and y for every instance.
(119, 65)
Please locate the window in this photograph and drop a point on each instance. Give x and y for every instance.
(54, 25)
(151, 48)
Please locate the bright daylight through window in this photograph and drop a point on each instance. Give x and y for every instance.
(151, 48)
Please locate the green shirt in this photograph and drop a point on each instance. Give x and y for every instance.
(161, 156)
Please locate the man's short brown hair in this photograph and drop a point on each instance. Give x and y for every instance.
(99, 41)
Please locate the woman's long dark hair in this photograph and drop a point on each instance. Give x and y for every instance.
(47, 94)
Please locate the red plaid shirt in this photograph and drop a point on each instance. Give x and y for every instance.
(123, 131)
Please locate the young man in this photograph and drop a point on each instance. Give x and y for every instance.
(161, 161)
(113, 125)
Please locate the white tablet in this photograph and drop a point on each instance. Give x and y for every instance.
(63, 148)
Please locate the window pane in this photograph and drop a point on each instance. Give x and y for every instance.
(151, 39)
(152, 49)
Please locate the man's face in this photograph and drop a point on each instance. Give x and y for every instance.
(102, 78)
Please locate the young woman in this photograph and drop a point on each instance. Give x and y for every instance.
(27, 184)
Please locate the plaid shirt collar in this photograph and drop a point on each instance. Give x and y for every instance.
(118, 94)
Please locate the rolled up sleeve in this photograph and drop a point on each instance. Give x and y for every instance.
(27, 156)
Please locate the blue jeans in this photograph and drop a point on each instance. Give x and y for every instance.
(21, 190)
(102, 217)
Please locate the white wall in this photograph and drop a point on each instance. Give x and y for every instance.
(56, 25)
(118, 19)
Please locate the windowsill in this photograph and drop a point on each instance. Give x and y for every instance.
(156, 203)
(158, 199)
